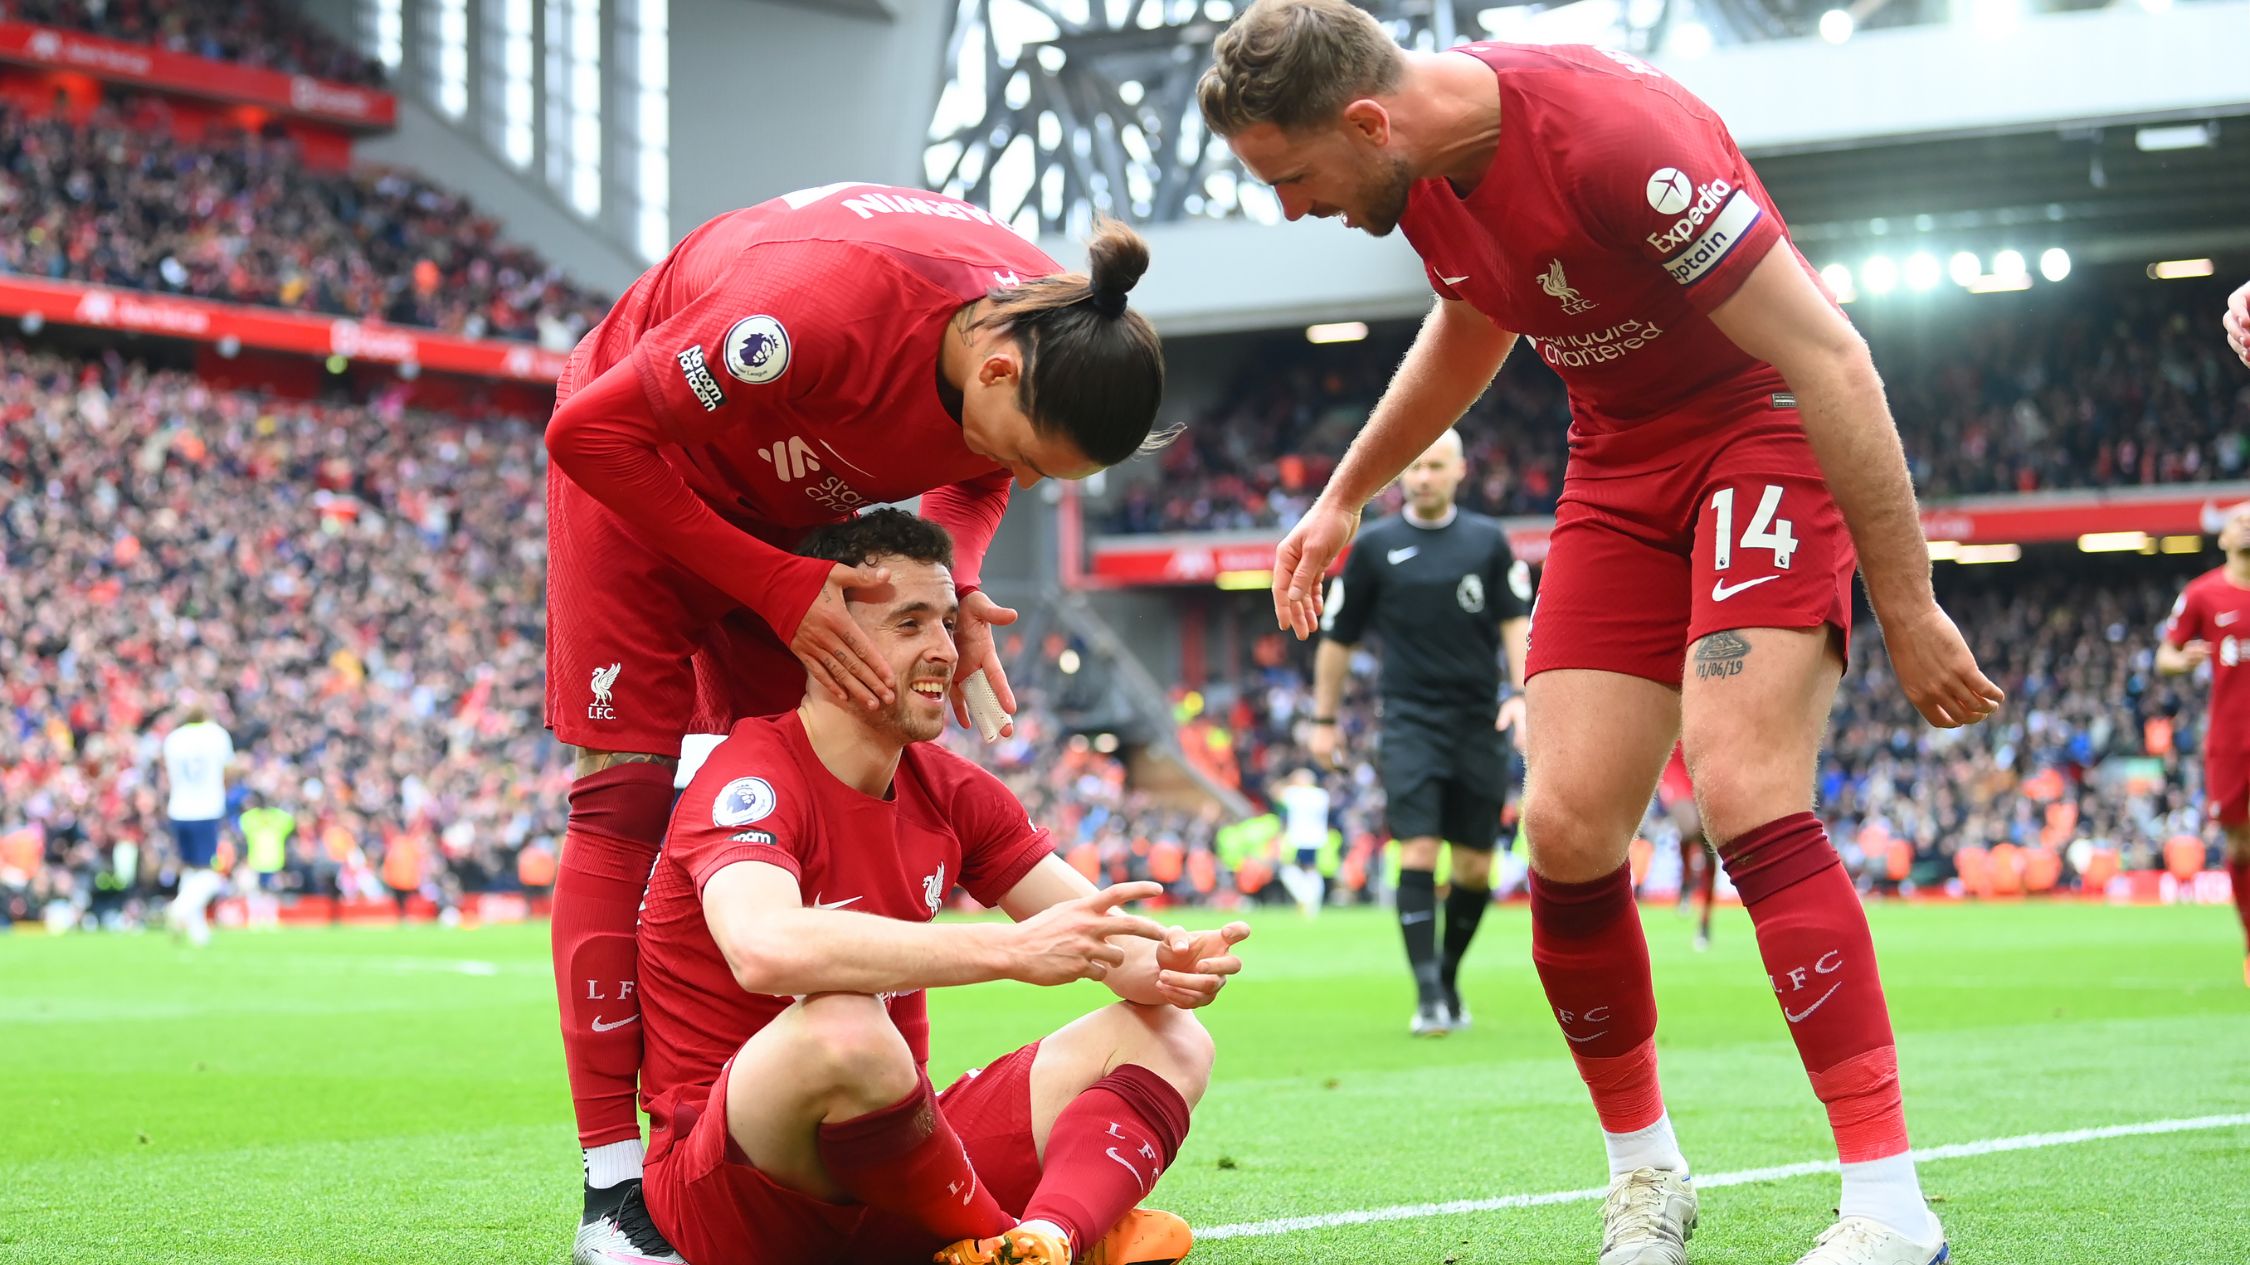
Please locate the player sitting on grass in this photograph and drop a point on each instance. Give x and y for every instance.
(787, 940)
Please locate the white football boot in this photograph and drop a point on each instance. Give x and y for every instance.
(623, 1236)
(1648, 1218)
(1863, 1241)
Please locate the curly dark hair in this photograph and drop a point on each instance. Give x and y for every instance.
(883, 532)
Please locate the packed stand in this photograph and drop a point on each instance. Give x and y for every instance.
(355, 591)
(2072, 387)
(261, 33)
(120, 200)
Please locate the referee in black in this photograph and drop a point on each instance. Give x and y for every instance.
(1443, 593)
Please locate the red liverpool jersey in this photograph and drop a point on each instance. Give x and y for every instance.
(2211, 609)
(763, 795)
(789, 350)
(1616, 214)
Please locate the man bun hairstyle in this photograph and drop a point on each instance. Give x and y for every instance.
(1093, 370)
(883, 532)
(1294, 64)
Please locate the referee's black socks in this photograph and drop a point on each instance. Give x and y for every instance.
(1417, 922)
(1464, 909)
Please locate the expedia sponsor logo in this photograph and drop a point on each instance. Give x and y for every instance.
(1681, 231)
(1577, 351)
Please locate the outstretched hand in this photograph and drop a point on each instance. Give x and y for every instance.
(1192, 966)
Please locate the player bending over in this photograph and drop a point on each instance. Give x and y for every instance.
(785, 948)
(786, 365)
(1729, 447)
(2207, 626)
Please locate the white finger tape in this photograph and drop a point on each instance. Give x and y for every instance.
(984, 705)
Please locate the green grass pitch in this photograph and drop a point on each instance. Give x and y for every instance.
(396, 1096)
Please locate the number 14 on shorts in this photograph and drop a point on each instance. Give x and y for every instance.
(1766, 531)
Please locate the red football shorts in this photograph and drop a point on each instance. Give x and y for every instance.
(719, 1210)
(640, 650)
(2226, 786)
(1711, 525)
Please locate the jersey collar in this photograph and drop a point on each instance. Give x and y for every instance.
(1452, 512)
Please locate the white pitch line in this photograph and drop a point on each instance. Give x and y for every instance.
(1712, 1181)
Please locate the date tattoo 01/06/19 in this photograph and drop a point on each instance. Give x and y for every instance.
(1720, 656)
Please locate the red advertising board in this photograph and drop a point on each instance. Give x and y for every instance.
(275, 329)
(2030, 518)
(147, 66)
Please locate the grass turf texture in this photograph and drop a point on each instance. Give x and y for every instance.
(397, 1095)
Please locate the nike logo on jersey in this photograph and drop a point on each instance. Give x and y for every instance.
(2223, 618)
(1400, 555)
(1454, 281)
(599, 1026)
(1799, 1016)
(1721, 590)
(818, 903)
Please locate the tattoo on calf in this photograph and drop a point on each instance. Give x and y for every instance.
(1720, 656)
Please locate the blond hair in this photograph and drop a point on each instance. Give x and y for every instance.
(1295, 63)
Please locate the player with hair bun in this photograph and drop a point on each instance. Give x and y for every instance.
(785, 366)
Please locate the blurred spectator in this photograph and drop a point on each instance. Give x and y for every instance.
(263, 33)
(121, 201)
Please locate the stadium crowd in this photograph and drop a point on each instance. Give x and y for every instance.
(2109, 386)
(261, 33)
(121, 199)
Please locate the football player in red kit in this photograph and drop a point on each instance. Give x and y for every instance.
(785, 949)
(783, 367)
(2211, 624)
(1729, 448)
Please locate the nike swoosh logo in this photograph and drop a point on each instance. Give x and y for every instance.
(1454, 281)
(818, 903)
(1795, 1016)
(1583, 1040)
(1130, 1168)
(1721, 591)
(599, 1026)
(1408, 920)
(1400, 555)
(2223, 620)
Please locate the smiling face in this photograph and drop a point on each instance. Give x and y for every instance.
(1346, 169)
(910, 620)
(995, 426)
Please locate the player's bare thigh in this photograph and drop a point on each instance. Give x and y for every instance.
(1598, 742)
(1753, 709)
(828, 1058)
(1167, 1041)
(591, 761)
(2238, 842)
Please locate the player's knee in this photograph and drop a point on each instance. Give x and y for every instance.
(1734, 801)
(1418, 854)
(1182, 1045)
(1568, 842)
(1472, 868)
(849, 1043)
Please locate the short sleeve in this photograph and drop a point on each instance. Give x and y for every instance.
(1660, 178)
(780, 323)
(2186, 622)
(999, 841)
(745, 804)
(1351, 596)
(1510, 581)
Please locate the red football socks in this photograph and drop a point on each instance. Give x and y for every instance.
(1592, 958)
(1820, 959)
(905, 1159)
(1106, 1151)
(617, 820)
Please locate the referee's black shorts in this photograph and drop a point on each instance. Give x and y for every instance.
(1444, 774)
